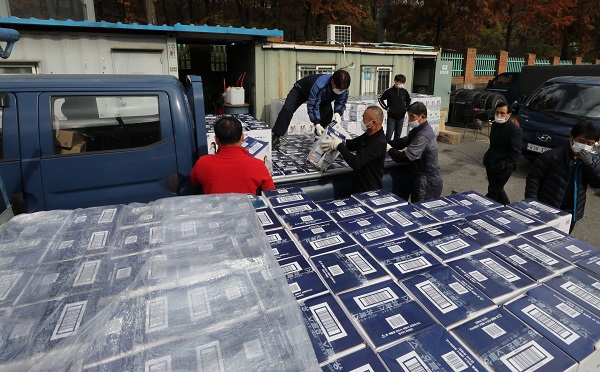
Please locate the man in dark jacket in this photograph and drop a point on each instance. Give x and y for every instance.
(369, 158)
(501, 158)
(421, 155)
(560, 177)
(395, 100)
(318, 91)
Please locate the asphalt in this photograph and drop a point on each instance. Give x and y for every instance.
(462, 170)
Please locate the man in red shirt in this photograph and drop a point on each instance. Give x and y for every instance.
(231, 169)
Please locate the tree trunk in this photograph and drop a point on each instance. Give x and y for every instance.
(565, 50)
(381, 19)
(307, 21)
(439, 28)
(150, 12)
(509, 30)
(165, 11)
(241, 12)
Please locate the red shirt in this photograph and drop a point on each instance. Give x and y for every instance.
(232, 169)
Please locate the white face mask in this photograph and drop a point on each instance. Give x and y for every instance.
(413, 124)
(338, 91)
(499, 119)
(577, 147)
(399, 86)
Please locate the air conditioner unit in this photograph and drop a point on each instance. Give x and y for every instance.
(339, 34)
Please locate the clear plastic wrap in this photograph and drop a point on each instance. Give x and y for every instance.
(186, 283)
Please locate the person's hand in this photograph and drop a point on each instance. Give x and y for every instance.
(585, 156)
(337, 118)
(330, 144)
(388, 148)
(319, 129)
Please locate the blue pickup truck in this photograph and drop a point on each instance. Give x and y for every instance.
(76, 141)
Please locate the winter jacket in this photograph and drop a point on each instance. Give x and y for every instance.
(505, 146)
(559, 181)
(368, 162)
(317, 89)
(421, 150)
(397, 100)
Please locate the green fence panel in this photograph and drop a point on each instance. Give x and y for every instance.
(542, 62)
(515, 64)
(485, 65)
(457, 62)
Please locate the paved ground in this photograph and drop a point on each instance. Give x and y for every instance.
(462, 170)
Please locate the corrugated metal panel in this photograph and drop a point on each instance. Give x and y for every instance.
(137, 27)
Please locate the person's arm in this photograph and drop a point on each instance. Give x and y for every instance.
(196, 174)
(399, 143)
(407, 98)
(515, 145)
(362, 157)
(592, 172)
(314, 100)
(382, 98)
(538, 172)
(340, 103)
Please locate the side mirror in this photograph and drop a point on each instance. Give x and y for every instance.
(515, 107)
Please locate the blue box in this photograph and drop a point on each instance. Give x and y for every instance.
(286, 196)
(488, 229)
(296, 208)
(474, 201)
(494, 277)
(511, 220)
(79, 243)
(505, 343)
(325, 238)
(432, 349)
(329, 329)
(370, 229)
(553, 217)
(379, 200)
(302, 279)
(443, 209)
(538, 263)
(408, 218)
(570, 327)
(267, 218)
(579, 286)
(307, 218)
(278, 236)
(136, 239)
(445, 242)
(564, 245)
(591, 264)
(403, 257)
(348, 268)
(343, 209)
(285, 250)
(362, 360)
(385, 313)
(447, 296)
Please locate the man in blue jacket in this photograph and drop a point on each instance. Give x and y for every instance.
(318, 91)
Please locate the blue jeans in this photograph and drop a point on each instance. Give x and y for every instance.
(394, 127)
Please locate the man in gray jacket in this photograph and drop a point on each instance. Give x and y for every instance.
(421, 154)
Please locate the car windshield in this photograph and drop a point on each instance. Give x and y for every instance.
(578, 100)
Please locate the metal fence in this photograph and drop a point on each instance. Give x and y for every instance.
(515, 64)
(565, 62)
(542, 62)
(485, 65)
(457, 62)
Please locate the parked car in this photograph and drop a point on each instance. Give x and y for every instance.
(553, 109)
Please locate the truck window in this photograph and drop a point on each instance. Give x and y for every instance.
(581, 100)
(103, 123)
(502, 79)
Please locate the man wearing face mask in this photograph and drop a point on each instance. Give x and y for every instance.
(318, 91)
(501, 158)
(421, 155)
(369, 157)
(560, 177)
(395, 100)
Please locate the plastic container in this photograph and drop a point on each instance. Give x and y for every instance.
(235, 96)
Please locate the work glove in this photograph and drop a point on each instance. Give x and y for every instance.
(585, 156)
(319, 129)
(330, 144)
(337, 118)
(388, 148)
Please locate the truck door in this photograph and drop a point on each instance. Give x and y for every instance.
(10, 158)
(105, 149)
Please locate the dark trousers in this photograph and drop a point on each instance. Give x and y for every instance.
(497, 178)
(294, 100)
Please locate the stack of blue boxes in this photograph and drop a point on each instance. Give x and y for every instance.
(455, 283)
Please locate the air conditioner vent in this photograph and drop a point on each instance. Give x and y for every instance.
(339, 34)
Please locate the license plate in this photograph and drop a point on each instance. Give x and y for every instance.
(536, 148)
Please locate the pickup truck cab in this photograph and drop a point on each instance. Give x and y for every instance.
(547, 117)
(507, 84)
(72, 141)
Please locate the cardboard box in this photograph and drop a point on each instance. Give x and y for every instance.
(448, 136)
(70, 142)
